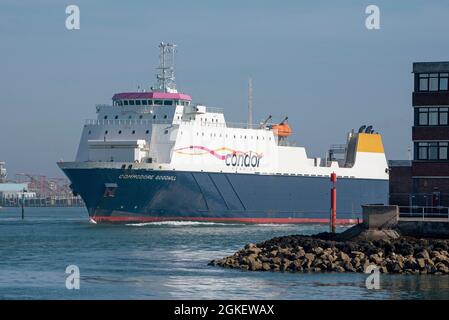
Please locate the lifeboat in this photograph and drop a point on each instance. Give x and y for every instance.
(282, 129)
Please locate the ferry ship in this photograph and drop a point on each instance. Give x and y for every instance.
(157, 156)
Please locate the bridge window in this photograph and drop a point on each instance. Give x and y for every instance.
(144, 102)
(125, 102)
(131, 102)
(150, 102)
(168, 102)
(158, 102)
(137, 102)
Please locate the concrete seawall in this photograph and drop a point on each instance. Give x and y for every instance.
(424, 228)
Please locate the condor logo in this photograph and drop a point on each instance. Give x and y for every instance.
(243, 160)
(231, 157)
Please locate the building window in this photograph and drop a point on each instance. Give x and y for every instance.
(443, 121)
(431, 150)
(444, 81)
(443, 150)
(424, 82)
(433, 116)
(433, 82)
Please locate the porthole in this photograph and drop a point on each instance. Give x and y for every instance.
(141, 116)
(105, 117)
(134, 132)
(120, 132)
(116, 117)
(129, 117)
(154, 117)
(166, 132)
(90, 132)
(165, 116)
(147, 132)
(106, 132)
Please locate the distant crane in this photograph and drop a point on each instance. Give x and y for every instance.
(45, 187)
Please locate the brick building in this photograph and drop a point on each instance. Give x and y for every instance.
(424, 181)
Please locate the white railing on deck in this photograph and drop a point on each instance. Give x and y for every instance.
(175, 122)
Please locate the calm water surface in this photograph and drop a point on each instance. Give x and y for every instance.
(165, 261)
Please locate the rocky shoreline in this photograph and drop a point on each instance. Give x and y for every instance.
(325, 252)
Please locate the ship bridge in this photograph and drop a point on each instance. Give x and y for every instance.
(151, 99)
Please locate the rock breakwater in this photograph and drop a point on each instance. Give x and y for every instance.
(326, 253)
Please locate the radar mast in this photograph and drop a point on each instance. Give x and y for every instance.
(166, 75)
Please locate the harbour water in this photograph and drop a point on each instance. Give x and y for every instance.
(166, 261)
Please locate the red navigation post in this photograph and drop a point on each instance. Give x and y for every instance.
(333, 218)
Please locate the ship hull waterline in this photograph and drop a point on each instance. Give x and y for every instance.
(144, 195)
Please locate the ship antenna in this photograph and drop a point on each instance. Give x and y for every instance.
(250, 103)
(166, 75)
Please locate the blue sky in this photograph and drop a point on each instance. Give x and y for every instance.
(313, 61)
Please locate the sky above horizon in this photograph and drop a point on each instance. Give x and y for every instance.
(313, 61)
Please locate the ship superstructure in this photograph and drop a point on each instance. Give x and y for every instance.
(156, 155)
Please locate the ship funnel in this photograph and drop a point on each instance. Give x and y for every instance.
(362, 128)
